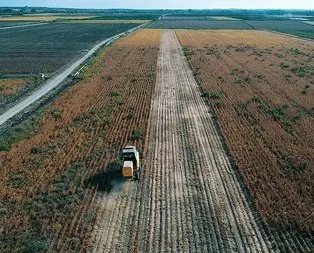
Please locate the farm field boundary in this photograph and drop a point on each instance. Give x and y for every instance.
(55, 81)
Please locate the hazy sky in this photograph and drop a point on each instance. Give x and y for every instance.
(166, 4)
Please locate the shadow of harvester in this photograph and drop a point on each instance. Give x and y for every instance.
(107, 179)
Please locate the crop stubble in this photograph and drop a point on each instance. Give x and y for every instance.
(260, 86)
(189, 199)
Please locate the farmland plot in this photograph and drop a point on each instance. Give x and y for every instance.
(191, 23)
(261, 89)
(47, 48)
(14, 23)
(297, 28)
(292, 27)
(51, 181)
(40, 18)
(189, 199)
(10, 86)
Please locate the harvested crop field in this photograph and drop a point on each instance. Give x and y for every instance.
(41, 18)
(110, 21)
(297, 28)
(51, 181)
(182, 203)
(228, 163)
(260, 86)
(190, 23)
(47, 48)
(292, 27)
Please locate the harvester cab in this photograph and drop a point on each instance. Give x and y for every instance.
(130, 159)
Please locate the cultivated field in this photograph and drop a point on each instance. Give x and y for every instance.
(10, 86)
(261, 89)
(47, 48)
(292, 27)
(309, 22)
(297, 28)
(8, 24)
(51, 181)
(110, 21)
(40, 17)
(182, 203)
(223, 18)
(227, 142)
(191, 23)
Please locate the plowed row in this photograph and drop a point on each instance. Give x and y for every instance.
(49, 183)
(261, 88)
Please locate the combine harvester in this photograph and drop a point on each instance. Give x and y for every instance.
(131, 167)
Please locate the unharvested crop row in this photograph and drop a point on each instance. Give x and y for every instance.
(50, 181)
(266, 118)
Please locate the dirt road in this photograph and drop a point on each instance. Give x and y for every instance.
(19, 26)
(189, 199)
(58, 79)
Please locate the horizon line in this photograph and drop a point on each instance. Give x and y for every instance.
(158, 9)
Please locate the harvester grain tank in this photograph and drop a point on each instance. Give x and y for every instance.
(130, 158)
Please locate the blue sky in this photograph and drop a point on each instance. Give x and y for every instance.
(166, 4)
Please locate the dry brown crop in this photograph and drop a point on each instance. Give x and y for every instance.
(261, 87)
(9, 86)
(48, 183)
